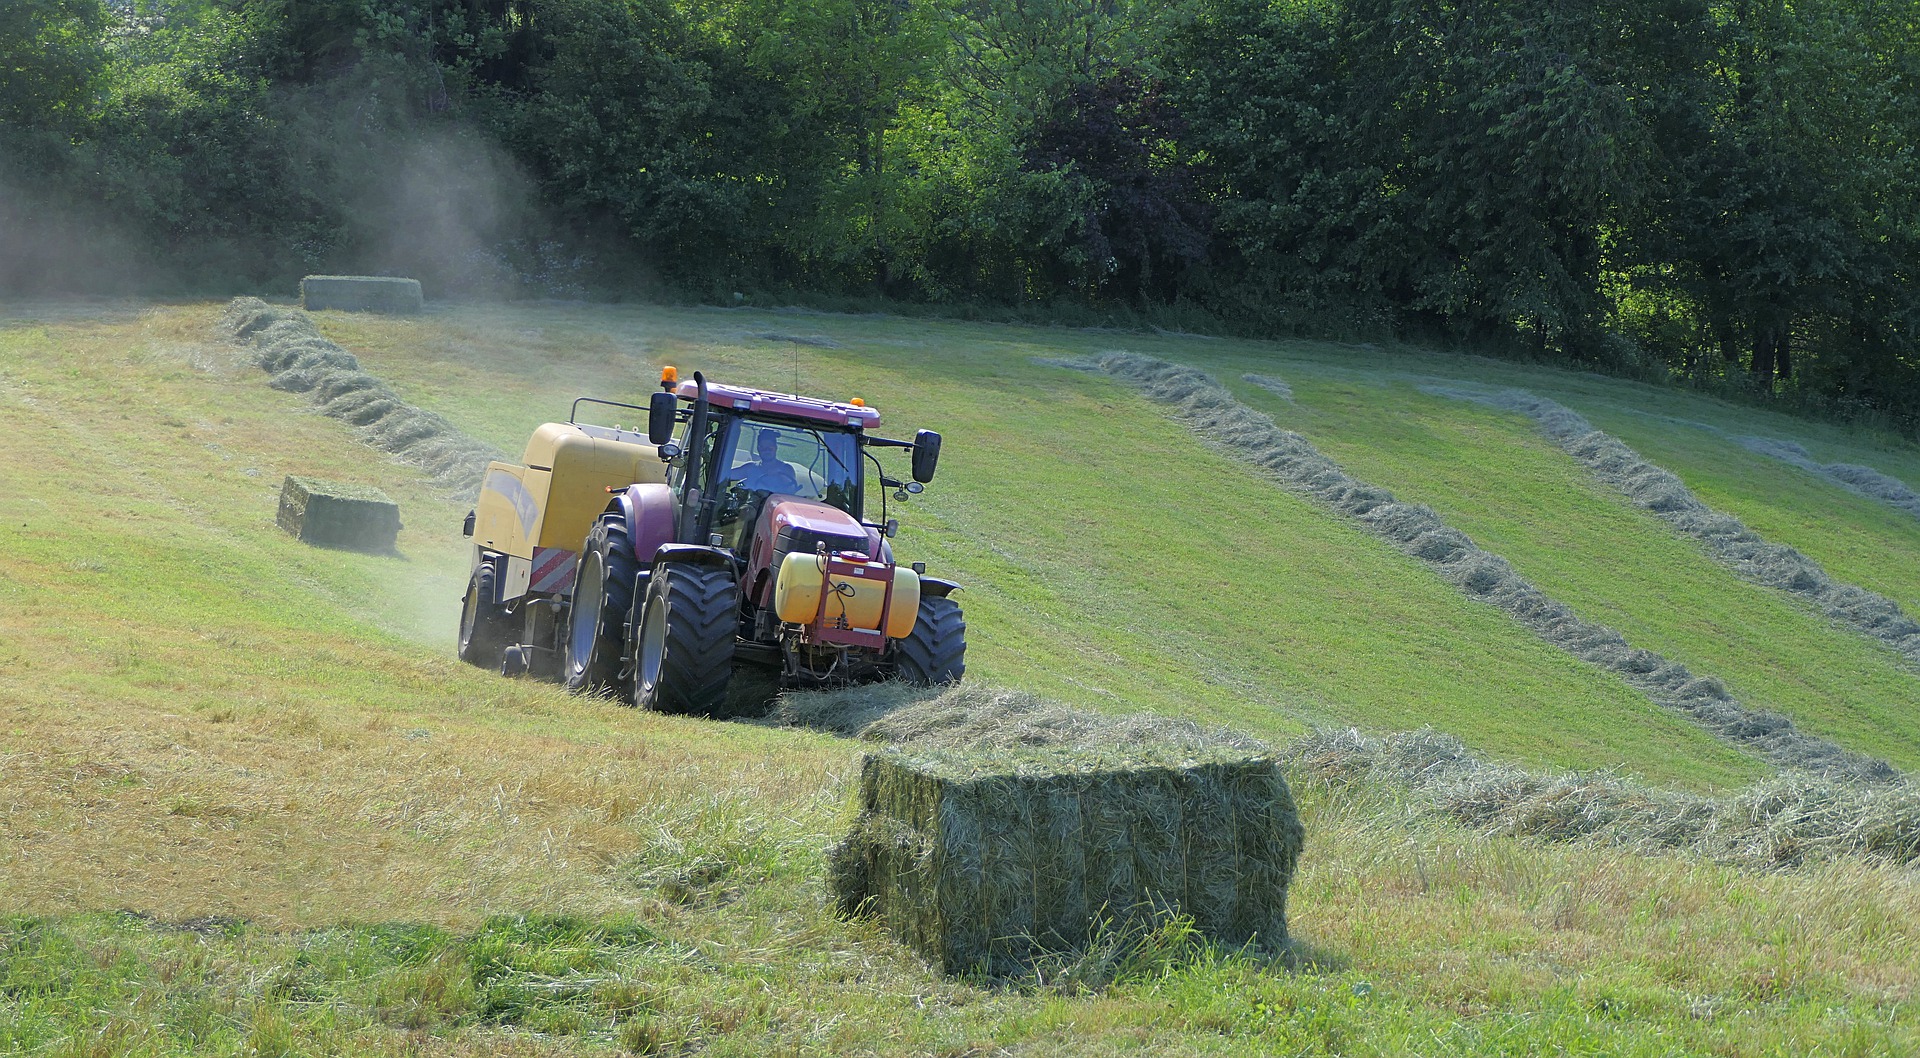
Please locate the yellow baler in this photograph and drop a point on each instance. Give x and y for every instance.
(537, 514)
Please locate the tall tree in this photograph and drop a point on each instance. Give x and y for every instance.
(1117, 141)
(51, 56)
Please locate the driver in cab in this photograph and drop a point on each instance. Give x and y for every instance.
(768, 473)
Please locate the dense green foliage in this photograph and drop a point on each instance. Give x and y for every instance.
(1723, 190)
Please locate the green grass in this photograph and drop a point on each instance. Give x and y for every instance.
(252, 806)
(1110, 558)
(1492, 476)
(1859, 540)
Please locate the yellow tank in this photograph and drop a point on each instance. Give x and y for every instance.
(796, 595)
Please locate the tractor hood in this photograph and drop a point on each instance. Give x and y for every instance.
(790, 525)
(802, 525)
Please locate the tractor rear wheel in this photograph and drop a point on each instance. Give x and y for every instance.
(602, 599)
(484, 623)
(935, 652)
(683, 654)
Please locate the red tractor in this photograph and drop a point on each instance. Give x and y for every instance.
(751, 551)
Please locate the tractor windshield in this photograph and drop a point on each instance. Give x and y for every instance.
(794, 461)
(762, 459)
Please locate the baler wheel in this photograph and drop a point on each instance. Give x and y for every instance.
(483, 622)
(935, 652)
(683, 656)
(597, 620)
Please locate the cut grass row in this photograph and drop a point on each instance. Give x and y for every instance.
(1493, 476)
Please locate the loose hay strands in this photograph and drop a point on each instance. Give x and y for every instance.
(291, 348)
(989, 719)
(1866, 481)
(1727, 540)
(998, 829)
(1208, 408)
(1276, 386)
(1783, 822)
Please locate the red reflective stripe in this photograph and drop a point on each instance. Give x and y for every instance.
(552, 569)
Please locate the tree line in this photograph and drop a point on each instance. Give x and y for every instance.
(1726, 191)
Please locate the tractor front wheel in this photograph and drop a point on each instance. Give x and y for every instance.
(602, 599)
(484, 623)
(935, 652)
(683, 656)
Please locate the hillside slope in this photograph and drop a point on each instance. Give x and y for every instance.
(253, 806)
(1268, 614)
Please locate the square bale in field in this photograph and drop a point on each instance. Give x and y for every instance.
(360, 294)
(331, 514)
(988, 861)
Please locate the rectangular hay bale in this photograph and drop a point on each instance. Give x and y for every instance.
(361, 294)
(332, 514)
(984, 862)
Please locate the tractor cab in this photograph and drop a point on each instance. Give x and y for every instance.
(751, 460)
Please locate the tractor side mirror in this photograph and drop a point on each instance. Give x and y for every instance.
(660, 415)
(926, 455)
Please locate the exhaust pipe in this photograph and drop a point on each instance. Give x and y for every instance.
(692, 501)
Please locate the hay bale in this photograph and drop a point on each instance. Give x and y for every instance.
(360, 294)
(331, 514)
(987, 861)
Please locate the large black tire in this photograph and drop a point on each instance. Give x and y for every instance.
(684, 639)
(935, 652)
(602, 598)
(484, 624)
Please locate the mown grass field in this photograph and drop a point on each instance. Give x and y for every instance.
(1493, 476)
(252, 805)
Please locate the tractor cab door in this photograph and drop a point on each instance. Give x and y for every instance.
(694, 501)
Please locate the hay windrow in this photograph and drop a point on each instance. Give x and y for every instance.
(1725, 538)
(1783, 822)
(1277, 387)
(289, 347)
(1866, 481)
(1068, 363)
(819, 341)
(1208, 408)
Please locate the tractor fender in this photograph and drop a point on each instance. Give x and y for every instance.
(937, 587)
(694, 555)
(648, 510)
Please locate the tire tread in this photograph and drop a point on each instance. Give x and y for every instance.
(599, 672)
(935, 652)
(702, 625)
